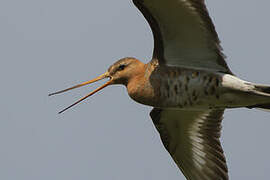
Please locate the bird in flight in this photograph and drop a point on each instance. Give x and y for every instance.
(188, 84)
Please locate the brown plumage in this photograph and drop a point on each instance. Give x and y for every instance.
(188, 83)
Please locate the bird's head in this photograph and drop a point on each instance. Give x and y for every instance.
(124, 69)
(121, 72)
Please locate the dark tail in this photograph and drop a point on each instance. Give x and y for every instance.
(262, 90)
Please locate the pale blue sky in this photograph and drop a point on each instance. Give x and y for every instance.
(53, 44)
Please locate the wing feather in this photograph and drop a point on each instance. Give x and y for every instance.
(184, 34)
(192, 139)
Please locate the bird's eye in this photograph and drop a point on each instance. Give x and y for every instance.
(121, 67)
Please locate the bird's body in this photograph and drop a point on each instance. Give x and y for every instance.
(191, 89)
(188, 84)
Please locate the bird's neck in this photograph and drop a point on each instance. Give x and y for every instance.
(139, 87)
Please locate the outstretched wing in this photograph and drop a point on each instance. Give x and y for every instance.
(192, 139)
(184, 34)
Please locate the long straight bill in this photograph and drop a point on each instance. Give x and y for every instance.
(105, 75)
(82, 84)
(88, 95)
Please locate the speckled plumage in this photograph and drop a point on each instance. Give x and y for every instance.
(184, 88)
(188, 84)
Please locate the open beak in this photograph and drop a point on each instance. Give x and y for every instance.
(103, 76)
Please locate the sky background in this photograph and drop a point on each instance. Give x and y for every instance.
(50, 45)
